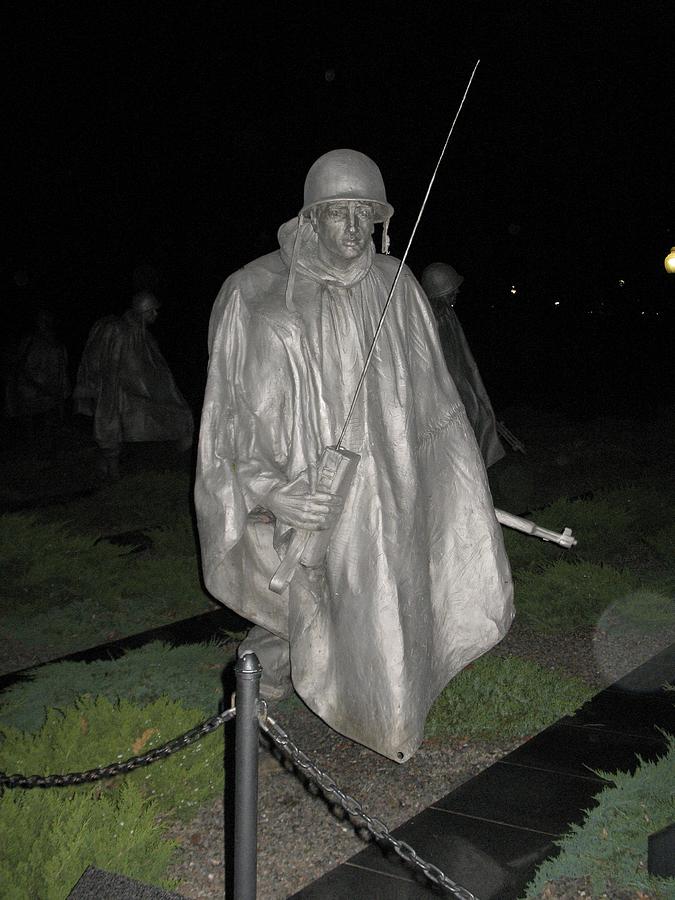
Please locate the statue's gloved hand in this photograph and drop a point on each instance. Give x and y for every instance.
(299, 506)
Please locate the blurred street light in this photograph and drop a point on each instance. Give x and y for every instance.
(669, 262)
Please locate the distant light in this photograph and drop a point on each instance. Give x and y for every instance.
(621, 282)
(329, 75)
(669, 262)
(513, 289)
(556, 302)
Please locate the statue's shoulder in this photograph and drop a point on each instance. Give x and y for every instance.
(388, 266)
(105, 327)
(254, 296)
(261, 283)
(109, 321)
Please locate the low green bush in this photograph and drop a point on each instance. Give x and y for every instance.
(610, 846)
(569, 595)
(190, 674)
(95, 732)
(504, 697)
(49, 837)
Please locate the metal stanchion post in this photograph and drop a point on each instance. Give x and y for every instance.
(247, 671)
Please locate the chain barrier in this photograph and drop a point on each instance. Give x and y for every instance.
(135, 762)
(353, 808)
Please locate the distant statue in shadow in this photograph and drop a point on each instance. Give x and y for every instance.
(37, 384)
(125, 384)
(441, 284)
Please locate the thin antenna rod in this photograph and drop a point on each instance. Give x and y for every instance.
(400, 268)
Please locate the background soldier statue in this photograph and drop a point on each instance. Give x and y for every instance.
(415, 583)
(441, 284)
(38, 384)
(124, 382)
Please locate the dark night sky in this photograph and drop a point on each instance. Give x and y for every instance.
(179, 137)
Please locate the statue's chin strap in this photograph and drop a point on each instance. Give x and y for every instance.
(290, 283)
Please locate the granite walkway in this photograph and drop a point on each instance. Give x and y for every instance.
(491, 834)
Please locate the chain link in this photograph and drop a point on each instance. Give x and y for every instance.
(353, 808)
(183, 740)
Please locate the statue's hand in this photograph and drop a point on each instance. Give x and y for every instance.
(296, 505)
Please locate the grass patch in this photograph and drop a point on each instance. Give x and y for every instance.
(497, 697)
(644, 611)
(569, 595)
(662, 542)
(525, 551)
(568, 458)
(191, 675)
(64, 589)
(631, 524)
(610, 847)
(148, 500)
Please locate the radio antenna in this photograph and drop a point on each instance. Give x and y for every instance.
(399, 270)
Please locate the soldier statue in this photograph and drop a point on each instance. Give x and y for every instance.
(125, 384)
(415, 583)
(441, 284)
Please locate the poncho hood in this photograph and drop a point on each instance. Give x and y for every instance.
(299, 246)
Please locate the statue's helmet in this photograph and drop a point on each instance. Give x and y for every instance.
(346, 175)
(439, 279)
(335, 176)
(144, 301)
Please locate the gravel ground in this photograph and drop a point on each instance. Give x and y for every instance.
(299, 838)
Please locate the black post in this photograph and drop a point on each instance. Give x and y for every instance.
(247, 671)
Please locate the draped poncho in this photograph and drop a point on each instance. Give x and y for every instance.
(125, 383)
(416, 582)
(39, 380)
(464, 371)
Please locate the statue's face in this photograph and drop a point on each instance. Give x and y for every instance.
(344, 229)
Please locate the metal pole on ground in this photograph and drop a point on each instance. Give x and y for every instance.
(247, 671)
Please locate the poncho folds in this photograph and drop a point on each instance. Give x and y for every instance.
(416, 582)
(39, 381)
(465, 374)
(125, 383)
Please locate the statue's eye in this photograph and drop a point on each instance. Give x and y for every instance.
(364, 212)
